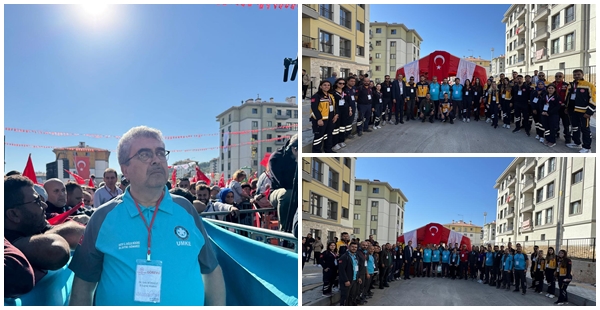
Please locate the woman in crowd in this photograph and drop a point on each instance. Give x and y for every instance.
(551, 263)
(477, 94)
(538, 271)
(377, 102)
(467, 102)
(304, 250)
(323, 115)
(486, 88)
(317, 249)
(454, 261)
(481, 264)
(342, 105)
(507, 265)
(505, 91)
(537, 97)
(564, 277)
(236, 186)
(493, 103)
(550, 107)
(328, 260)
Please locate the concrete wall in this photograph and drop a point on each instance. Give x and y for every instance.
(584, 271)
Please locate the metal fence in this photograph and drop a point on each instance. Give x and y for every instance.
(589, 73)
(581, 248)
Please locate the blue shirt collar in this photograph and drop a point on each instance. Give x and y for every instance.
(166, 205)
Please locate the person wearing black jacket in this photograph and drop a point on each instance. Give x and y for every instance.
(537, 94)
(384, 258)
(418, 261)
(534, 259)
(398, 99)
(411, 96)
(352, 93)
(364, 105)
(349, 273)
(284, 182)
(550, 115)
(477, 94)
(398, 261)
(408, 253)
(377, 106)
(473, 262)
(328, 260)
(467, 100)
(343, 106)
(386, 96)
(497, 275)
(564, 277)
(520, 96)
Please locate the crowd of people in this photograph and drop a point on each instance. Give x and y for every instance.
(356, 267)
(44, 224)
(519, 101)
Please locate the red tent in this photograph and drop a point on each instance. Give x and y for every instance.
(434, 233)
(442, 65)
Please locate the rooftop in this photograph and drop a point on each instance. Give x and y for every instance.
(461, 223)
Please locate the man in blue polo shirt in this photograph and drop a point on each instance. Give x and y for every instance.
(131, 254)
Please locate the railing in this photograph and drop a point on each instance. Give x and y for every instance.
(282, 116)
(326, 47)
(345, 52)
(325, 12)
(540, 10)
(527, 204)
(308, 42)
(578, 248)
(540, 31)
(589, 73)
(345, 22)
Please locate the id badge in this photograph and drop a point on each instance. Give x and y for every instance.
(573, 96)
(503, 96)
(365, 263)
(356, 268)
(353, 98)
(380, 100)
(456, 92)
(335, 262)
(412, 90)
(418, 254)
(433, 90)
(520, 93)
(463, 255)
(148, 278)
(342, 102)
(535, 100)
(400, 256)
(330, 108)
(517, 263)
(467, 93)
(475, 94)
(493, 98)
(388, 89)
(546, 106)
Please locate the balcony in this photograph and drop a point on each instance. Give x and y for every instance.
(528, 185)
(527, 205)
(306, 170)
(282, 116)
(521, 60)
(529, 165)
(541, 33)
(510, 213)
(520, 12)
(541, 13)
(285, 128)
(520, 45)
(309, 12)
(511, 182)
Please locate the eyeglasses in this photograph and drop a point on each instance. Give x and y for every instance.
(146, 155)
(341, 83)
(37, 200)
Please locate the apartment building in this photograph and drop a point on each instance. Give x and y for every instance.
(497, 66)
(334, 39)
(489, 233)
(551, 38)
(378, 211)
(327, 196)
(391, 47)
(253, 129)
(546, 198)
(480, 62)
(469, 230)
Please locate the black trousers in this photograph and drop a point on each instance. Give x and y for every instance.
(364, 115)
(434, 267)
(505, 111)
(506, 279)
(317, 259)
(407, 269)
(550, 124)
(539, 281)
(494, 113)
(348, 293)
(341, 125)
(464, 269)
(323, 136)
(522, 118)
(551, 280)
(497, 276)
(399, 113)
(520, 280)
(445, 270)
(539, 127)
(410, 108)
(418, 268)
(436, 111)
(476, 107)
(562, 286)
(387, 105)
(581, 129)
(383, 276)
(473, 270)
(328, 279)
(453, 270)
(566, 121)
(377, 114)
(488, 273)
(427, 267)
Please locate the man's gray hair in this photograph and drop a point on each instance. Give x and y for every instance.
(124, 146)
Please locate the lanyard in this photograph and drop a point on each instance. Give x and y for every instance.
(149, 228)
(111, 195)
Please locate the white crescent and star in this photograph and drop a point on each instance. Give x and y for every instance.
(81, 161)
(436, 230)
(443, 61)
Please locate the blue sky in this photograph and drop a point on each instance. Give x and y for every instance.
(460, 29)
(438, 189)
(172, 67)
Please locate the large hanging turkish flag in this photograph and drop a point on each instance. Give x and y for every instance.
(443, 65)
(83, 166)
(434, 233)
(439, 64)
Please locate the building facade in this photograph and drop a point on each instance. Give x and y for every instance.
(546, 199)
(480, 62)
(97, 159)
(378, 211)
(327, 196)
(489, 233)
(254, 128)
(469, 230)
(334, 39)
(391, 47)
(551, 38)
(497, 66)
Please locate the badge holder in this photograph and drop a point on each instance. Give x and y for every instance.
(148, 278)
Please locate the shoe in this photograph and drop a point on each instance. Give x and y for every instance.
(568, 141)
(343, 144)
(468, 120)
(390, 122)
(464, 120)
(397, 122)
(547, 294)
(336, 148)
(528, 134)
(444, 120)
(477, 119)
(556, 302)
(496, 126)
(585, 151)
(374, 127)
(351, 136)
(516, 130)
(523, 293)
(561, 303)
(360, 134)
(451, 121)
(431, 121)
(515, 291)
(574, 146)
(537, 137)
(551, 296)
(541, 293)
(327, 295)
(423, 121)
(542, 140)
(488, 120)
(551, 144)
(386, 285)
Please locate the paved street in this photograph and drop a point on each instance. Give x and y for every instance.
(417, 137)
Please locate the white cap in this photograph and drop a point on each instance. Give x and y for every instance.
(41, 191)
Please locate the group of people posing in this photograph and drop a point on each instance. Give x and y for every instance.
(356, 266)
(520, 101)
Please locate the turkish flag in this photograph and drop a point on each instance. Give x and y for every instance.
(222, 180)
(201, 176)
(77, 178)
(83, 166)
(434, 233)
(174, 178)
(439, 65)
(29, 172)
(265, 160)
(61, 218)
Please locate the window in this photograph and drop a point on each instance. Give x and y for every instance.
(357, 216)
(378, 43)
(223, 121)
(360, 51)
(331, 210)
(254, 111)
(550, 191)
(577, 177)
(393, 31)
(360, 26)
(555, 21)
(373, 218)
(575, 208)
(269, 149)
(345, 213)
(569, 14)
(326, 10)
(345, 47)
(269, 110)
(255, 137)
(538, 218)
(373, 231)
(452, 228)
(392, 56)
(345, 18)
(555, 46)
(377, 68)
(392, 43)
(358, 188)
(325, 73)
(540, 195)
(229, 118)
(254, 124)
(569, 42)
(392, 70)
(315, 204)
(377, 55)
(551, 165)
(375, 190)
(270, 123)
(549, 216)
(377, 30)
(317, 170)
(347, 162)
(374, 204)
(356, 231)
(229, 153)
(357, 202)
(228, 166)
(325, 42)
(222, 167)
(333, 179)
(541, 171)
(471, 235)
(269, 136)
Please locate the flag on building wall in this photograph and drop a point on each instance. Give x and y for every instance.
(82, 164)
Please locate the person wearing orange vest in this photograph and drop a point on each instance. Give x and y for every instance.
(323, 115)
(550, 270)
